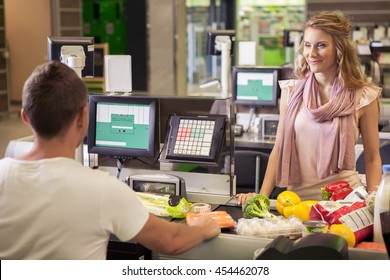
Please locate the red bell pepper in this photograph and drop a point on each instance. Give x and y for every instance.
(336, 191)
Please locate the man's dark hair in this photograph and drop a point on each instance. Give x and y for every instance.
(52, 96)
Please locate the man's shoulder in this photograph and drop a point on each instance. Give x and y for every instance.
(7, 161)
(75, 166)
(4, 162)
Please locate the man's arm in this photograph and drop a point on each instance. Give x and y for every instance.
(173, 238)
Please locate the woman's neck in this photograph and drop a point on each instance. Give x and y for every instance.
(325, 85)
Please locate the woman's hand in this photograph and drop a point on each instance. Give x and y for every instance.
(243, 197)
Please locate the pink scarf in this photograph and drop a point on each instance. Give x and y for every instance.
(336, 140)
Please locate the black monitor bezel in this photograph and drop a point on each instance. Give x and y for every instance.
(117, 152)
(287, 42)
(276, 71)
(54, 45)
(212, 35)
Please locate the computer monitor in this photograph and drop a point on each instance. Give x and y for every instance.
(291, 37)
(255, 86)
(212, 37)
(122, 126)
(66, 48)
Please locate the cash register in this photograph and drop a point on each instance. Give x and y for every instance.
(158, 183)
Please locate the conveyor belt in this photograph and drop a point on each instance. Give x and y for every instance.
(234, 211)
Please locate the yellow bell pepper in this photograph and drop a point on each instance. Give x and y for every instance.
(288, 211)
(286, 199)
(288, 203)
(302, 209)
(345, 232)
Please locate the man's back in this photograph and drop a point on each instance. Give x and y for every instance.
(57, 209)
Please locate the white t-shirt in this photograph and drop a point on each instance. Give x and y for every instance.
(58, 209)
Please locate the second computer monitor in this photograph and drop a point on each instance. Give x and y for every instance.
(122, 126)
(255, 86)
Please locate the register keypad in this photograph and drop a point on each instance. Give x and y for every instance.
(194, 137)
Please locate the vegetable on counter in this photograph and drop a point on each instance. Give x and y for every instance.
(345, 232)
(370, 201)
(162, 205)
(288, 203)
(336, 191)
(300, 210)
(286, 199)
(257, 206)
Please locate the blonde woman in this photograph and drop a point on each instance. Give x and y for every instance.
(322, 113)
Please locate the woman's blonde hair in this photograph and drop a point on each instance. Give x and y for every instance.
(338, 26)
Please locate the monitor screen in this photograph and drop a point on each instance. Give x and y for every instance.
(60, 48)
(122, 126)
(255, 86)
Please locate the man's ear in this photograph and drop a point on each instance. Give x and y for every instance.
(82, 116)
(24, 117)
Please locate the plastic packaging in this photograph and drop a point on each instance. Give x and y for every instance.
(270, 227)
(355, 215)
(159, 205)
(223, 219)
(382, 203)
(200, 208)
